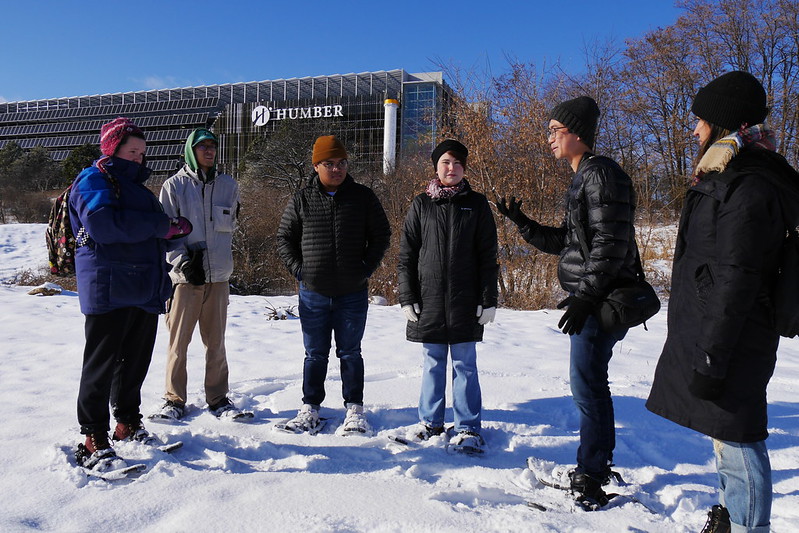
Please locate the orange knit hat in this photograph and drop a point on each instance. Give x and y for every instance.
(327, 147)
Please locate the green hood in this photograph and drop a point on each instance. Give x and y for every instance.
(197, 136)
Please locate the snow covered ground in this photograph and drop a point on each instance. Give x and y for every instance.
(246, 477)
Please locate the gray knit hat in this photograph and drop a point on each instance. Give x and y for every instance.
(730, 100)
(580, 115)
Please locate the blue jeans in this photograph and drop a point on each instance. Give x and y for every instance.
(745, 484)
(466, 397)
(343, 317)
(591, 351)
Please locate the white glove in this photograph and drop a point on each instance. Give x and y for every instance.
(411, 312)
(485, 315)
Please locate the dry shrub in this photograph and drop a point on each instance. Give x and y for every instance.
(33, 278)
(26, 207)
(258, 268)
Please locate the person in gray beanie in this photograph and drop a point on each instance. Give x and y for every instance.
(721, 346)
(596, 245)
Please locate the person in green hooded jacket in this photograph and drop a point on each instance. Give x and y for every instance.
(200, 271)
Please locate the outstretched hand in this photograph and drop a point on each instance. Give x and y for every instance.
(513, 211)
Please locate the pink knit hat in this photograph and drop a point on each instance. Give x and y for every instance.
(115, 132)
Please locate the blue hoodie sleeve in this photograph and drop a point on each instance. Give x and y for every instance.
(107, 221)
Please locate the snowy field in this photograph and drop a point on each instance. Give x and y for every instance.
(246, 477)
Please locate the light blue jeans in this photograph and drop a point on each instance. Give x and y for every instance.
(467, 400)
(745, 484)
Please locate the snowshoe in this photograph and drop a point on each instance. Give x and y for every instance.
(170, 412)
(225, 409)
(306, 421)
(104, 463)
(467, 443)
(355, 422)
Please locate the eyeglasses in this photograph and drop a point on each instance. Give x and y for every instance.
(329, 165)
(551, 132)
(205, 147)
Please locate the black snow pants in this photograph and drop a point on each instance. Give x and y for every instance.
(119, 347)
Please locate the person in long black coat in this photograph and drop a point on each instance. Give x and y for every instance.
(721, 346)
(448, 290)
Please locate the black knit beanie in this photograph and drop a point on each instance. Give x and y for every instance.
(730, 100)
(450, 145)
(580, 115)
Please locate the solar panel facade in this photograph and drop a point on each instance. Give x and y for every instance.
(351, 105)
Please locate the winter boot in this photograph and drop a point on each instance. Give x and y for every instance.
(355, 421)
(307, 420)
(97, 454)
(224, 408)
(133, 431)
(469, 442)
(718, 520)
(171, 411)
(425, 432)
(588, 489)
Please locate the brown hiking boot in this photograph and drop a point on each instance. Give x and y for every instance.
(97, 454)
(132, 431)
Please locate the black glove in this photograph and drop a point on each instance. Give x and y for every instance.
(574, 318)
(193, 269)
(513, 211)
(706, 387)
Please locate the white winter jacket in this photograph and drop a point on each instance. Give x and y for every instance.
(212, 208)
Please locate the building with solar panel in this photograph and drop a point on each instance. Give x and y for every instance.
(379, 114)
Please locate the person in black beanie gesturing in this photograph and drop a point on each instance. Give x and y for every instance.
(596, 245)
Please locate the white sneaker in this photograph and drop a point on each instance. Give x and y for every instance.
(355, 422)
(307, 419)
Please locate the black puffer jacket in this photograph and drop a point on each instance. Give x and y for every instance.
(448, 265)
(720, 315)
(601, 201)
(333, 243)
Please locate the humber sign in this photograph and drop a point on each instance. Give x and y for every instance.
(262, 114)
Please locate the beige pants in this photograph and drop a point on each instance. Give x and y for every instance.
(206, 304)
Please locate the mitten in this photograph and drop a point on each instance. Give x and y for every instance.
(178, 227)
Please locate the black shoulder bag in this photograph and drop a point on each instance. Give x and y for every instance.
(629, 304)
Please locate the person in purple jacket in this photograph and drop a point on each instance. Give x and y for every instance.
(123, 282)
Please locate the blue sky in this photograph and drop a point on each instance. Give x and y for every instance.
(54, 48)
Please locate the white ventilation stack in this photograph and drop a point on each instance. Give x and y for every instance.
(390, 135)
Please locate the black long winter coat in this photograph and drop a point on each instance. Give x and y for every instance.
(720, 318)
(333, 243)
(448, 265)
(601, 202)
